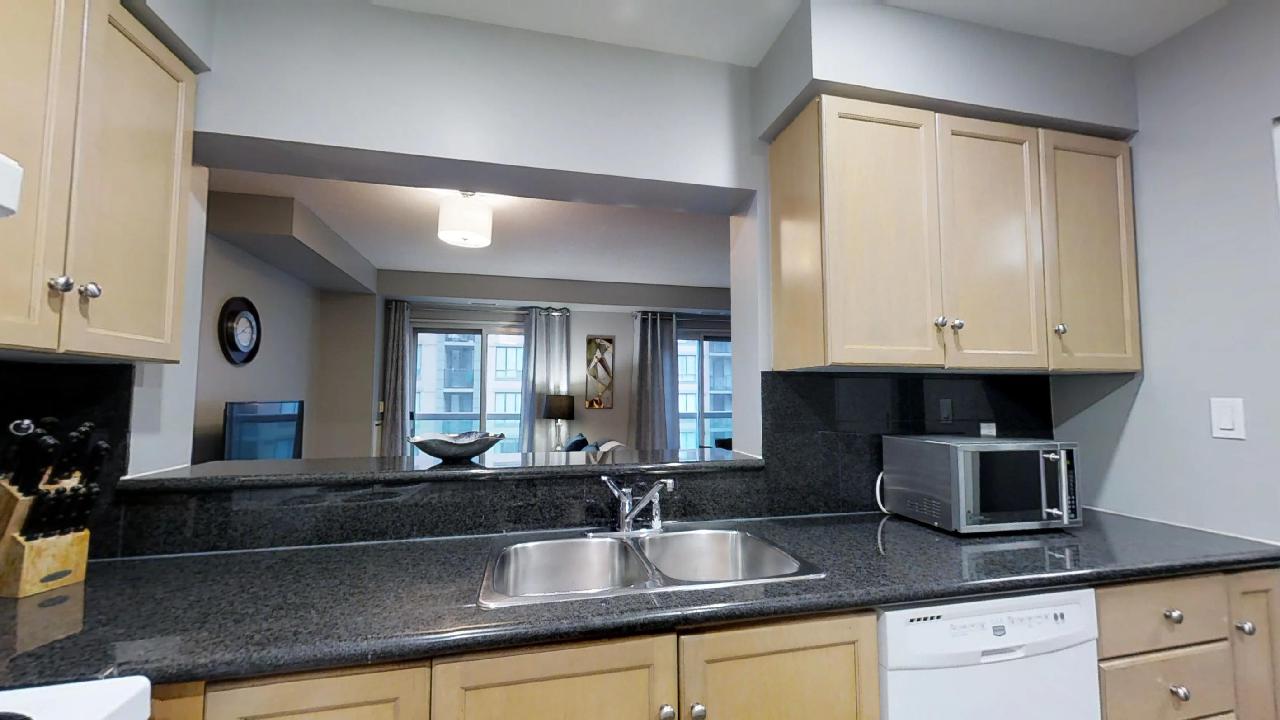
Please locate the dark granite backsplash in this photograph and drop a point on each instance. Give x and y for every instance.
(74, 393)
(822, 431)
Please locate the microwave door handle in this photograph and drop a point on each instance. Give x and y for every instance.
(1050, 514)
(1044, 490)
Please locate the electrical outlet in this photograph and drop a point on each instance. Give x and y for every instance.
(945, 410)
(987, 429)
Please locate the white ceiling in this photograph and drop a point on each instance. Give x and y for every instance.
(730, 31)
(394, 227)
(1122, 26)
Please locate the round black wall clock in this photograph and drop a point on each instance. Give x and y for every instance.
(239, 330)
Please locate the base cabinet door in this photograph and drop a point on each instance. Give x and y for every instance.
(621, 680)
(393, 694)
(992, 256)
(40, 57)
(127, 235)
(1090, 264)
(806, 669)
(1255, 642)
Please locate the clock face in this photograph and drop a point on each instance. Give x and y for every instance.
(246, 331)
(239, 330)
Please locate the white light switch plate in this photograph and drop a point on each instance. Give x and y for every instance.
(1227, 415)
(987, 429)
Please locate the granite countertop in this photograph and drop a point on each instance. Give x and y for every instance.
(227, 615)
(243, 474)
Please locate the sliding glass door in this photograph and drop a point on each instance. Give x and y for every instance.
(706, 390)
(469, 380)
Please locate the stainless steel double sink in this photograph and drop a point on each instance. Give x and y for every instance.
(601, 566)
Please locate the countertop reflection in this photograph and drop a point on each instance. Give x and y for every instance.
(225, 615)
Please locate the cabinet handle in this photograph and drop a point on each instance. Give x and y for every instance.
(698, 711)
(1247, 627)
(1174, 616)
(62, 283)
(957, 324)
(940, 322)
(666, 712)
(1060, 328)
(91, 291)
(1181, 692)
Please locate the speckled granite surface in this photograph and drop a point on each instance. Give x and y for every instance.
(256, 613)
(242, 474)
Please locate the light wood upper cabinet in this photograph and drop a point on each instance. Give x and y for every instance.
(903, 238)
(855, 237)
(40, 57)
(623, 680)
(393, 694)
(992, 255)
(1255, 642)
(1091, 274)
(806, 669)
(129, 192)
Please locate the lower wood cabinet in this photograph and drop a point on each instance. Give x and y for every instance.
(624, 679)
(1198, 647)
(400, 693)
(824, 668)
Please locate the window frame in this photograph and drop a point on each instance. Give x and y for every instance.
(703, 337)
(485, 329)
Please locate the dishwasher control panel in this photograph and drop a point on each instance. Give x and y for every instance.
(986, 630)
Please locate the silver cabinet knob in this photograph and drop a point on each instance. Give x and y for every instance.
(698, 711)
(1174, 616)
(1247, 627)
(666, 712)
(957, 324)
(62, 283)
(1060, 328)
(940, 322)
(1180, 691)
(91, 290)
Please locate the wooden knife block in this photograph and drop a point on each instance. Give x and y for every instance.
(28, 567)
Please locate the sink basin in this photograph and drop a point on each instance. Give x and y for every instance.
(574, 565)
(716, 556)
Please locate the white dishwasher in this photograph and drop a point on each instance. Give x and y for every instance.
(1013, 658)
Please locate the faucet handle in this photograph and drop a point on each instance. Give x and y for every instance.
(668, 483)
(613, 486)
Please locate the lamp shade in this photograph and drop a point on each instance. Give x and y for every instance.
(10, 186)
(557, 407)
(465, 221)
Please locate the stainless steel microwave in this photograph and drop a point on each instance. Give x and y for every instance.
(981, 484)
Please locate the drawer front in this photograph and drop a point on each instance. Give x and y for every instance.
(1144, 687)
(1145, 616)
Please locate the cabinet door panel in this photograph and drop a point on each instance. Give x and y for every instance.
(1090, 266)
(626, 679)
(402, 694)
(880, 210)
(129, 191)
(806, 669)
(1255, 599)
(992, 258)
(40, 57)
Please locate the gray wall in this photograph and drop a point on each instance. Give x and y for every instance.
(351, 74)
(344, 376)
(164, 395)
(1208, 226)
(283, 368)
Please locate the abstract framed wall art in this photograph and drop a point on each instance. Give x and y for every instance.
(599, 395)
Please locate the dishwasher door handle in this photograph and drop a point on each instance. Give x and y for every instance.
(1013, 652)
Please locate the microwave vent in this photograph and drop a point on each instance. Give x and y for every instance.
(927, 507)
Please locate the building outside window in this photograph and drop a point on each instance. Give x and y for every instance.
(705, 390)
(469, 380)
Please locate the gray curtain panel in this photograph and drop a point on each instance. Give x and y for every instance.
(546, 370)
(397, 360)
(655, 406)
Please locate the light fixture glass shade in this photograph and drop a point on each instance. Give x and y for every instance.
(465, 221)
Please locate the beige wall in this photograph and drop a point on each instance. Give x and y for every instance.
(281, 371)
(340, 416)
(600, 425)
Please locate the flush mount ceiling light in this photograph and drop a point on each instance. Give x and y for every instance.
(465, 221)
